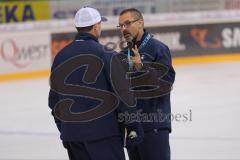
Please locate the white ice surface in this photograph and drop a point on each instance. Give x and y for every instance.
(210, 91)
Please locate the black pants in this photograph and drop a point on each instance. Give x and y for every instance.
(155, 146)
(104, 149)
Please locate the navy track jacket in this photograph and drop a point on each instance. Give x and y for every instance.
(102, 127)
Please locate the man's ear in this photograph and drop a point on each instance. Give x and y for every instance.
(141, 22)
(94, 27)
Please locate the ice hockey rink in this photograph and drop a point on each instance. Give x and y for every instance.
(207, 94)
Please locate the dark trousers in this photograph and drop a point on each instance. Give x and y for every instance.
(155, 146)
(104, 149)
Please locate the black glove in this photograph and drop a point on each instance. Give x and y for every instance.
(135, 134)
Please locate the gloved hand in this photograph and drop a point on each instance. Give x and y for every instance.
(135, 134)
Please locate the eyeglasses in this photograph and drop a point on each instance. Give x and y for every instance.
(127, 24)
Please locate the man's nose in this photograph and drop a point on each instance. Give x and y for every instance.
(123, 28)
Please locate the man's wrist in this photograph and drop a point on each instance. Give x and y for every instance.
(138, 66)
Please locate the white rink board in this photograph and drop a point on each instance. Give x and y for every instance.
(24, 52)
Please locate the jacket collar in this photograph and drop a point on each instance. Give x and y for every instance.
(85, 36)
(138, 43)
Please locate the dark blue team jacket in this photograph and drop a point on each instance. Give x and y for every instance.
(156, 51)
(103, 127)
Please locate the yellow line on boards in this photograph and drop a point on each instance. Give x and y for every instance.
(206, 59)
(176, 61)
(24, 75)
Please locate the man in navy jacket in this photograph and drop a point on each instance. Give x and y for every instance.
(82, 97)
(143, 50)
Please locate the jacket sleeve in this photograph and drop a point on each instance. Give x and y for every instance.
(126, 111)
(163, 56)
(53, 99)
(115, 72)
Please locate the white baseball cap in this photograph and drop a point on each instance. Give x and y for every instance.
(87, 16)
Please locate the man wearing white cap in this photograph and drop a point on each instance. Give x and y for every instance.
(89, 20)
(98, 137)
